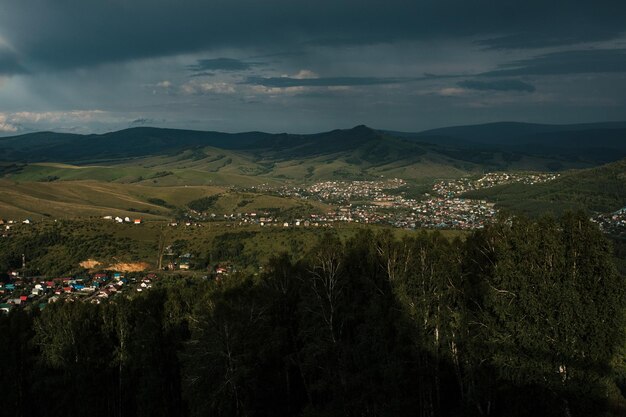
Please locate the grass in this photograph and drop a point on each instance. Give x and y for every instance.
(72, 199)
(139, 243)
(601, 189)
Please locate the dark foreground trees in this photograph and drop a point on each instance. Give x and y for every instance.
(521, 319)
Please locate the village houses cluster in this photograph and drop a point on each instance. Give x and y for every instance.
(23, 291)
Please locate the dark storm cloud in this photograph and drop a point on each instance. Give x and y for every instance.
(566, 62)
(9, 64)
(203, 74)
(557, 36)
(285, 82)
(499, 85)
(222, 64)
(78, 33)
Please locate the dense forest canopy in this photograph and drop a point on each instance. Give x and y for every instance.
(524, 318)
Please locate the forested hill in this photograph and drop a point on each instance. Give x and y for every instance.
(601, 189)
(521, 319)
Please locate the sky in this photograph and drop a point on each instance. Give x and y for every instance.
(91, 66)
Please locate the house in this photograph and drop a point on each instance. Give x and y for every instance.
(137, 221)
(184, 265)
(127, 219)
(27, 221)
(2, 221)
(119, 220)
(108, 217)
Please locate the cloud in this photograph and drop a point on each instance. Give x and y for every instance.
(78, 33)
(197, 87)
(566, 62)
(222, 64)
(141, 121)
(286, 82)
(499, 85)
(203, 74)
(9, 63)
(6, 126)
(452, 92)
(26, 121)
(304, 74)
(55, 116)
(549, 38)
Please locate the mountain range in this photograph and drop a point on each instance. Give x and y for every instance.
(357, 153)
(131, 170)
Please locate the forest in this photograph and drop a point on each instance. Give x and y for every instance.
(523, 318)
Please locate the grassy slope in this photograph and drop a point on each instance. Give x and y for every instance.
(68, 199)
(601, 189)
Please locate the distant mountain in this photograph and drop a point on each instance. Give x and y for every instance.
(146, 153)
(128, 143)
(589, 143)
(360, 152)
(601, 189)
(511, 133)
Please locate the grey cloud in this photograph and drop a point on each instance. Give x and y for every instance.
(550, 38)
(79, 33)
(498, 85)
(141, 121)
(222, 64)
(203, 74)
(566, 62)
(9, 64)
(285, 82)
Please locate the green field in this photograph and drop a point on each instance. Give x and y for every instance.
(58, 247)
(87, 198)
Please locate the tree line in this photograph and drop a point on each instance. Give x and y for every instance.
(523, 318)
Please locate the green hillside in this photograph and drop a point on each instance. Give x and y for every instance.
(173, 157)
(65, 199)
(601, 189)
(125, 172)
